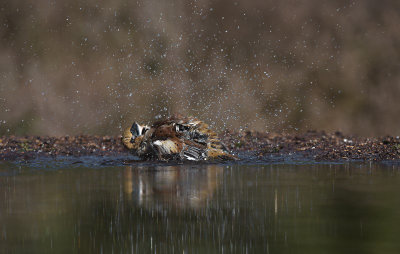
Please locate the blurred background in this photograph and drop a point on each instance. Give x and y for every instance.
(92, 67)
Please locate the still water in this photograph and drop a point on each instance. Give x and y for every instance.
(276, 208)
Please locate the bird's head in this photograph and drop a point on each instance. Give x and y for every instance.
(133, 136)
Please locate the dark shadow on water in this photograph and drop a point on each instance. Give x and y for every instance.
(245, 158)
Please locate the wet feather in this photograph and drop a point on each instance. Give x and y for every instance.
(180, 138)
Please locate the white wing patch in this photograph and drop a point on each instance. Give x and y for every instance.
(190, 158)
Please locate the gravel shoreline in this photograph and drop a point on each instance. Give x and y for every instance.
(318, 146)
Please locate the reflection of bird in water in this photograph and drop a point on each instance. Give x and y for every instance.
(172, 186)
(176, 138)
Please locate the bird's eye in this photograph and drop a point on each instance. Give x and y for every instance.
(144, 131)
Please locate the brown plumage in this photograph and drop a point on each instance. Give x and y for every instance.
(177, 138)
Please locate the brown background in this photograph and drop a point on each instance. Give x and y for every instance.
(69, 67)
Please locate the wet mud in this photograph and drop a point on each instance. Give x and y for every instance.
(312, 145)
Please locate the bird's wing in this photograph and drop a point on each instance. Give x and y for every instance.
(198, 141)
(199, 132)
(194, 151)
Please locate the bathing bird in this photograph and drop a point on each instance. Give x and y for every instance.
(175, 138)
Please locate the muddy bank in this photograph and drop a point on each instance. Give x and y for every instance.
(319, 146)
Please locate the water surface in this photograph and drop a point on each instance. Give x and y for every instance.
(263, 208)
